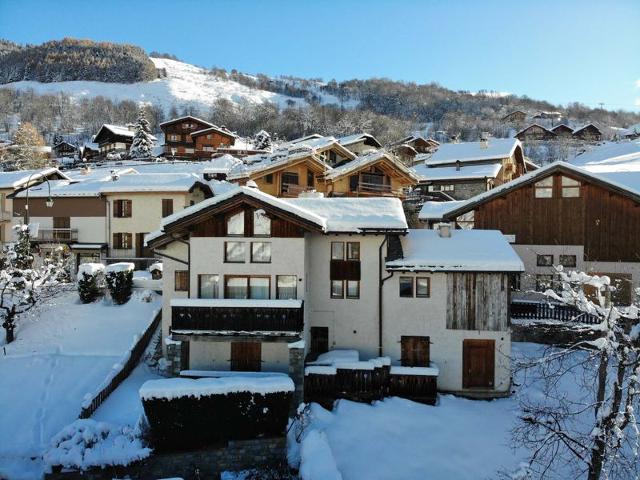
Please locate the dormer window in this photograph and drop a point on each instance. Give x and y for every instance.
(235, 224)
(261, 224)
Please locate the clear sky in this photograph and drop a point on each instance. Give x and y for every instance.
(561, 51)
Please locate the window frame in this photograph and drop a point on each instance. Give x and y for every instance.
(575, 260)
(295, 286)
(539, 280)
(253, 220)
(252, 259)
(247, 285)
(122, 208)
(227, 220)
(331, 284)
(346, 289)
(167, 207)
(121, 244)
(342, 246)
(540, 256)
(348, 252)
(428, 294)
(244, 252)
(541, 186)
(571, 186)
(411, 281)
(216, 287)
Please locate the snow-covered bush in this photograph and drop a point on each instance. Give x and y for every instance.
(87, 443)
(120, 281)
(90, 278)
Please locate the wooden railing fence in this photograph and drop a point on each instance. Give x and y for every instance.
(547, 311)
(125, 371)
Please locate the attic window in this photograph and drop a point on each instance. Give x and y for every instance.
(544, 188)
(235, 224)
(570, 187)
(261, 223)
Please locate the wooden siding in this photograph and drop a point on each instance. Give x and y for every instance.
(588, 220)
(62, 207)
(477, 301)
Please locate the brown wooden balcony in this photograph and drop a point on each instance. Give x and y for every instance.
(222, 318)
(57, 235)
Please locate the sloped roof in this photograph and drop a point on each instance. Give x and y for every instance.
(534, 125)
(20, 178)
(586, 127)
(610, 156)
(214, 128)
(466, 172)
(186, 117)
(495, 148)
(425, 250)
(358, 137)
(369, 159)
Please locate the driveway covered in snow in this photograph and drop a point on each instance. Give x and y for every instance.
(64, 350)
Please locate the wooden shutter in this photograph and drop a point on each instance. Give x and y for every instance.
(167, 207)
(181, 280)
(117, 208)
(246, 356)
(126, 208)
(117, 240)
(478, 357)
(414, 351)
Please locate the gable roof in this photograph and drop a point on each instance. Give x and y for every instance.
(465, 172)
(20, 178)
(534, 125)
(562, 126)
(359, 137)
(618, 183)
(216, 129)
(186, 117)
(589, 126)
(425, 250)
(494, 149)
(117, 130)
(366, 160)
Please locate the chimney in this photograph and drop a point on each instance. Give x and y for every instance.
(444, 230)
(484, 140)
(457, 165)
(114, 175)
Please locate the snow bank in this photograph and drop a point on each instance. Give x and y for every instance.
(172, 388)
(333, 356)
(343, 359)
(120, 267)
(320, 370)
(318, 462)
(87, 443)
(155, 266)
(90, 269)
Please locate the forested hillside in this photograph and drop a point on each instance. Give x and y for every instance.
(72, 59)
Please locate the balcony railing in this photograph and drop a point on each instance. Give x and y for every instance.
(237, 317)
(292, 190)
(61, 235)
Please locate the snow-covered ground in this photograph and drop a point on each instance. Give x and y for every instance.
(63, 351)
(184, 85)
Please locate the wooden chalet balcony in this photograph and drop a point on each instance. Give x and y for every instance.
(56, 235)
(292, 190)
(222, 318)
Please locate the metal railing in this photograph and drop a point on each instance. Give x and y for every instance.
(57, 235)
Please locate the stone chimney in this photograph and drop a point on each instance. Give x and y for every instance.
(484, 140)
(444, 229)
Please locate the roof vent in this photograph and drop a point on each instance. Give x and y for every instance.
(444, 230)
(114, 175)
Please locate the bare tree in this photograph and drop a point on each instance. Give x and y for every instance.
(592, 433)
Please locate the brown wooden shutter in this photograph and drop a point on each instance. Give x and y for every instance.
(117, 208)
(478, 357)
(117, 240)
(181, 280)
(127, 208)
(167, 207)
(414, 351)
(246, 356)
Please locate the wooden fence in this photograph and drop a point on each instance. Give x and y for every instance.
(368, 385)
(549, 311)
(125, 371)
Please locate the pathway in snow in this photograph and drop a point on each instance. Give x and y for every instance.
(63, 351)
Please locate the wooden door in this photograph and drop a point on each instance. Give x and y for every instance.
(414, 351)
(246, 356)
(319, 340)
(478, 357)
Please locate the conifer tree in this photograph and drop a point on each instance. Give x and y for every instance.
(142, 146)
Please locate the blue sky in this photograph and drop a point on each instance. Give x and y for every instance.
(561, 51)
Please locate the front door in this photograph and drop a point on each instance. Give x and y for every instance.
(246, 356)
(319, 340)
(478, 357)
(414, 351)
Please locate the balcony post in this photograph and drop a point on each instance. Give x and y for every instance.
(296, 372)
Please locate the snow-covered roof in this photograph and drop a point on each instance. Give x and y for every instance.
(611, 156)
(367, 159)
(320, 144)
(535, 125)
(437, 210)
(588, 125)
(464, 250)
(117, 130)
(222, 164)
(170, 388)
(561, 125)
(214, 128)
(494, 148)
(452, 173)
(358, 137)
(265, 161)
(20, 178)
(355, 214)
(331, 215)
(186, 117)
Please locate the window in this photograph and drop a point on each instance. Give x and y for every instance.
(406, 286)
(122, 208)
(545, 260)
(122, 241)
(544, 282)
(544, 188)
(568, 260)
(207, 148)
(423, 287)
(441, 188)
(247, 287)
(353, 288)
(208, 285)
(234, 252)
(337, 289)
(337, 250)
(167, 207)
(269, 178)
(286, 287)
(181, 280)
(260, 252)
(310, 178)
(353, 250)
(235, 224)
(514, 282)
(570, 188)
(174, 138)
(188, 150)
(290, 178)
(261, 223)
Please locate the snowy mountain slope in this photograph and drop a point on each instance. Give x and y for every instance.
(184, 85)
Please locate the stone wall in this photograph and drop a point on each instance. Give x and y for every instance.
(199, 464)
